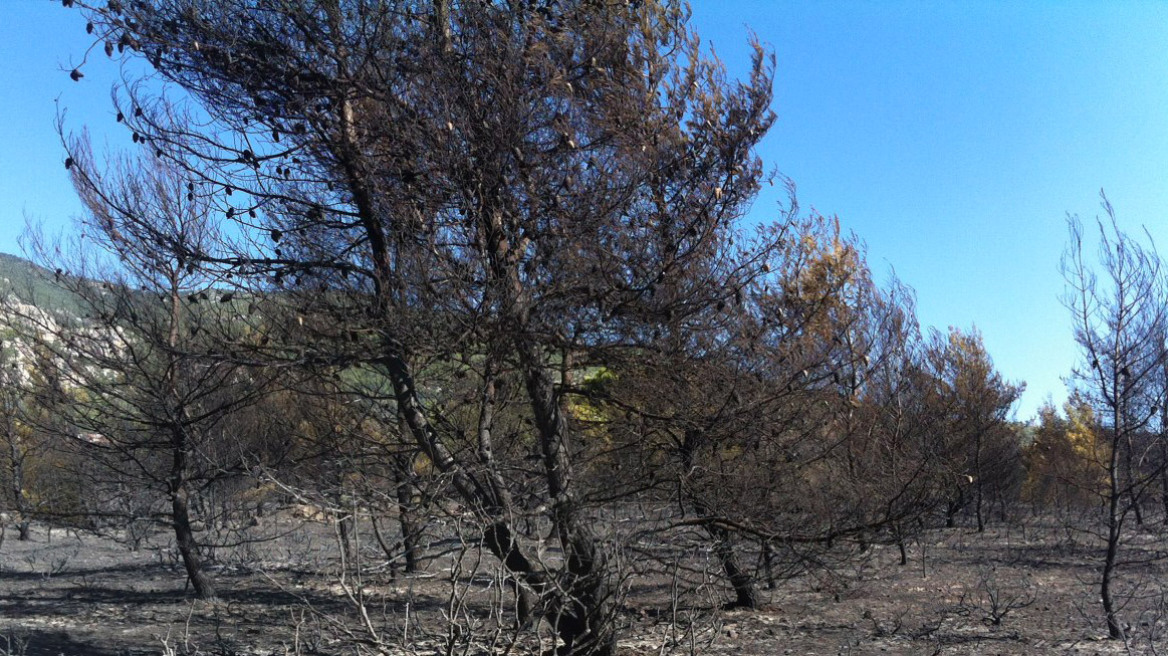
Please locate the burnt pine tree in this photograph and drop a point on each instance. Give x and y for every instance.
(520, 181)
(132, 386)
(978, 401)
(1119, 317)
(738, 397)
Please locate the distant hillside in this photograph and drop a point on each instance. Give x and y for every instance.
(34, 285)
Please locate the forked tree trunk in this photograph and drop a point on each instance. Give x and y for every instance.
(582, 599)
(586, 618)
(582, 604)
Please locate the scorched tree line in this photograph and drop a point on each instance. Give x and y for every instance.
(512, 233)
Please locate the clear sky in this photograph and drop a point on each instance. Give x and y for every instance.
(952, 137)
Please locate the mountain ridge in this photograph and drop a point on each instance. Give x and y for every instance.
(34, 285)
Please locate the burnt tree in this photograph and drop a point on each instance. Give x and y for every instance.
(510, 186)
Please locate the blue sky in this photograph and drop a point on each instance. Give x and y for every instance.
(952, 137)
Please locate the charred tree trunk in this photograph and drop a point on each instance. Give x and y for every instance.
(584, 608)
(1164, 460)
(954, 506)
(979, 489)
(768, 559)
(745, 593)
(184, 534)
(586, 619)
(1114, 526)
(1130, 484)
(188, 547)
(344, 531)
(491, 504)
(16, 469)
(406, 506)
(23, 508)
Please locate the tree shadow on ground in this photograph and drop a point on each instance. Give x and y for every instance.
(75, 572)
(72, 596)
(61, 643)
